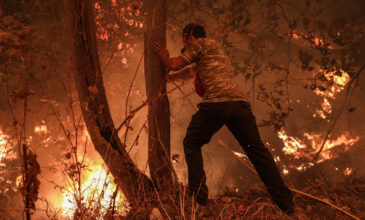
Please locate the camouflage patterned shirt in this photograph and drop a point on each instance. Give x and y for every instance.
(214, 71)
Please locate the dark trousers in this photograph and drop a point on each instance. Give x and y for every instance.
(237, 116)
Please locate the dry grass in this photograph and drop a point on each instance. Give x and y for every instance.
(255, 204)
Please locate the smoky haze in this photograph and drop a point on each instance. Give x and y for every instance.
(53, 87)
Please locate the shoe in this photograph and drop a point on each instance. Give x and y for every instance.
(201, 197)
(287, 208)
(289, 211)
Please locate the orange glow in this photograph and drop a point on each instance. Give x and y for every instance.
(3, 145)
(344, 140)
(285, 172)
(348, 171)
(295, 36)
(306, 147)
(240, 155)
(299, 149)
(315, 41)
(41, 129)
(5, 151)
(291, 144)
(97, 192)
(337, 84)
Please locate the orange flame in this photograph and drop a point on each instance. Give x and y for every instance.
(41, 129)
(5, 151)
(97, 192)
(98, 189)
(348, 171)
(297, 147)
(3, 145)
(338, 85)
(343, 140)
(291, 144)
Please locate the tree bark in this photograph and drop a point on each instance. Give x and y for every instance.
(162, 172)
(94, 104)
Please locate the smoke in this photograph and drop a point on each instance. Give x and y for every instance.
(54, 89)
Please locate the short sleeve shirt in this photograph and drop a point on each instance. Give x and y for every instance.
(214, 70)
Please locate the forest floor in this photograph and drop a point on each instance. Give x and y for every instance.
(255, 203)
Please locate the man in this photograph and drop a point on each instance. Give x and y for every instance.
(223, 104)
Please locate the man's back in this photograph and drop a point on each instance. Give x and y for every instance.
(214, 70)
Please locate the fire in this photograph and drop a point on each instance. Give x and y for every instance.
(343, 140)
(347, 171)
(285, 171)
(3, 145)
(315, 41)
(291, 144)
(97, 192)
(337, 81)
(41, 129)
(307, 149)
(5, 151)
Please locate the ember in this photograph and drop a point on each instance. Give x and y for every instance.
(41, 129)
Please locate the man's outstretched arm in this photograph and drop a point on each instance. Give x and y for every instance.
(175, 63)
(183, 75)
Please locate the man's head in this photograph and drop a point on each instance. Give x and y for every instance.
(191, 32)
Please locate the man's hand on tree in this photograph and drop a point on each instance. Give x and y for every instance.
(175, 63)
(162, 52)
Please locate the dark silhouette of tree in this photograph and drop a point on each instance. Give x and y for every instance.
(94, 105)
(161, 169)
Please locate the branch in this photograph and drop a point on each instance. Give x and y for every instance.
(131, 115)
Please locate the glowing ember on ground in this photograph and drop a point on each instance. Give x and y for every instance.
(348, 171)
(292, 145)
(285, 171)
(97, 191)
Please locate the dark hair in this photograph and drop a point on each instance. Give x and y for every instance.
(195, 29)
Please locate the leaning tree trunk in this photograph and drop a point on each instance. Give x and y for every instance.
(161, 169)
(94, 105)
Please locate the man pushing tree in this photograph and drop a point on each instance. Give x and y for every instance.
(223, 104)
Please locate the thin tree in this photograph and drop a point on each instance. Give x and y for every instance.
(94, 105)
(161, 169)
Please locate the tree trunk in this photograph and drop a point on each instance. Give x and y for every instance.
(94, 105)
(161, 169)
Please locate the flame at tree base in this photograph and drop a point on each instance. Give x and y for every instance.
(99, 196)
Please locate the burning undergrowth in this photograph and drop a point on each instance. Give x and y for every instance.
(97, 196)
(311, 147)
